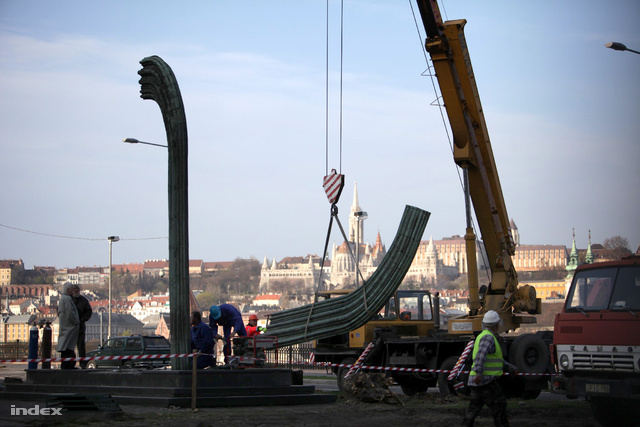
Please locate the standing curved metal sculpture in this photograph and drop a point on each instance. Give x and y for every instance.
(158, 83)
(343, 314)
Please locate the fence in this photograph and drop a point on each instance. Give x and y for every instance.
(295, 356)
(20, 349)
(15, 350)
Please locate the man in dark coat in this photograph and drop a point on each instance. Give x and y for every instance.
(84, 312)
(201, 340)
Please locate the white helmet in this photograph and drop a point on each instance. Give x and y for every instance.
(491, 317)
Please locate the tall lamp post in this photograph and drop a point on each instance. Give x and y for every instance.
(101, 312)
(135, 141)
(619, 46)
(111, 240)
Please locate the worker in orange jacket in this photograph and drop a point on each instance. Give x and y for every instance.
(252, 327)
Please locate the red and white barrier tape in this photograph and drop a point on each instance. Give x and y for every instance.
(356, 366)
(418, 370)
(83, 359)
(326, 364)
(461, 359)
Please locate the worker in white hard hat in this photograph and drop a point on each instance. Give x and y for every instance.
(488, 365)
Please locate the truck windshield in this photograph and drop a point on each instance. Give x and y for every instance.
(415, 307)
(626, 293)
(605, 289)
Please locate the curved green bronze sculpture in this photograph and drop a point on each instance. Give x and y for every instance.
(158, 83)
(343, 314)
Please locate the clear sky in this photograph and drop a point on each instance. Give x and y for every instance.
(563, 113)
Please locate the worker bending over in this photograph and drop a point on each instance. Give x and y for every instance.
(228, 317)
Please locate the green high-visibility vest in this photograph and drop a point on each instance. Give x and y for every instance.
(493, 363)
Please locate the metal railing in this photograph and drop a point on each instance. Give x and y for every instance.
(296, 356)
(15, 349)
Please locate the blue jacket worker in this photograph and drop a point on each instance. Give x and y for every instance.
(201, 340)
(228, 317)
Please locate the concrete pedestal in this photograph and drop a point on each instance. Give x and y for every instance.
(247, 387)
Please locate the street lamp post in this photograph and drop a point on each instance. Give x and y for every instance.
(111, 240)
(619, 46)
(135, 141)
(101, 339)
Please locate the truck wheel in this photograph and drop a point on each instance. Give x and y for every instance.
(530, 354)
(127, 365)
(92, 364)
(446, 386)
(411, 386)
(342, 371)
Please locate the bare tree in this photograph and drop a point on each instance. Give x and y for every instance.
(617, 246)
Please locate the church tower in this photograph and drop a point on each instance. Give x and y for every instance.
(356, 228)
(589, 257)
(515, 234)
(573, 258)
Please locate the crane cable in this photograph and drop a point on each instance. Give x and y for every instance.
(327, 87)
(334, 207)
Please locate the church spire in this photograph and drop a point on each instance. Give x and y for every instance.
(589, 256)
(355, 207)
(378, 241)
(515, 234)
(573, 258)
(356, 226)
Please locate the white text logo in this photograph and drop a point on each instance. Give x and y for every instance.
(35, 411)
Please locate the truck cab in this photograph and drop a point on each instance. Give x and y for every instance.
(596, 342)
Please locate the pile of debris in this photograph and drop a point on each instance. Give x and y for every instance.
(371, 388)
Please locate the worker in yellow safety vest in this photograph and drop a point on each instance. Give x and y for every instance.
(487, 367)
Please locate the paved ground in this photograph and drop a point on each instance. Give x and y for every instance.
(426, 409)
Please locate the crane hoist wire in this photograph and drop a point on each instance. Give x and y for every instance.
(334, 181)
(327, 88)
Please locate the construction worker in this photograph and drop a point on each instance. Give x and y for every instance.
(201, 340)
(252, 327)
(487, 367)
(228, 317)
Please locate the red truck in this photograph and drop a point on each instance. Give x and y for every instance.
(596, 341)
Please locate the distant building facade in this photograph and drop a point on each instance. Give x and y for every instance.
(537, 257)
(303, 270)
(9, 270)
(13, 328)
(428, 266)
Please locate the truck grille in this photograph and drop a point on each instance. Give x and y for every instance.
(608, 362)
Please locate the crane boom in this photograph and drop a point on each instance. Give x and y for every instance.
(447, 47)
